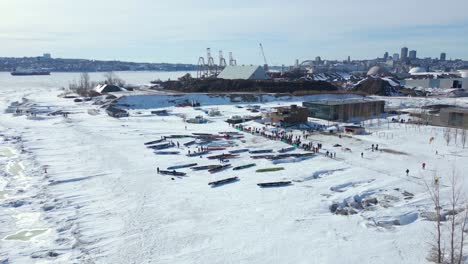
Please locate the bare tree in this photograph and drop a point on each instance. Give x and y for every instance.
(113, 79)
(84, 86)
(463, 137)
(462, 233)
(85, 81)
(434, 192)
(447, 135)
(455, 195)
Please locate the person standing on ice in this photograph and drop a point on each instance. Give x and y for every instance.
(362, 154)
(424, 165)
(407, 172)
(157, 169)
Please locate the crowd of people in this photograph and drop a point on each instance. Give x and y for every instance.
(297, 141)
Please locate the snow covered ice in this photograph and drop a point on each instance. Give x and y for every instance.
(84, 188)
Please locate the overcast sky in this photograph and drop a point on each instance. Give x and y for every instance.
(181, 30)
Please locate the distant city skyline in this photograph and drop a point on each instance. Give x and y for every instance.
(179, 31)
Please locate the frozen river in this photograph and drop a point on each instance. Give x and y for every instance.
(84, 188)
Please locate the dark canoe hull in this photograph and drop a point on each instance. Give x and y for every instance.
(216, 148)
(196, 154)
(262, 157)
(173, 173)
(165, 146)
(286, 150)
(207, 167)
(261, 151)
(244, 166)
(182, 166)
(189, 143)
(167, 152)
(178, 136)
(270, 169)
(222, 182)
(154, 142)
(219, 168)
(230, 133)
(274, 184)
(308, 154)
(225, 156)
(238, 151)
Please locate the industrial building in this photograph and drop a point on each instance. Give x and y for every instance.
(345, 110)
(455, 117)
(447, 83)
(289, 115)
(250, 72)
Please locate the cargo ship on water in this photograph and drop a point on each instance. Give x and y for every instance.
(27, 72)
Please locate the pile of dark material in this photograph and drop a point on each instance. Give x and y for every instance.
(376, 86)
(221, 85)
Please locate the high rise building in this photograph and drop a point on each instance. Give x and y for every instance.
(412, 54)
(404, 53)
(396, 56)
(443, 56)
(385, 56)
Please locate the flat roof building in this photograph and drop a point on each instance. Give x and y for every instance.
(345, 110)
(447, 83)
(456, 117)
(289, 115)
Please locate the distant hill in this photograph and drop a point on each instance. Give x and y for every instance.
(83, 65)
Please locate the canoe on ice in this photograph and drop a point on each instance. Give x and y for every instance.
(220, 168)
(261, 151)
(166, 152)
(244, 166)
(270, 169)
(238, 151)
(224, 156)
(172, 172)
(274, 184)
(206, 167)
(216, 148)
(196, 154)
(224, 181)
(155, 141)
(284, 150)
(162, 146)
(262, 157)
(182, 166)
(189, 143)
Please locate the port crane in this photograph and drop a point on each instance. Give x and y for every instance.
(265, 65)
